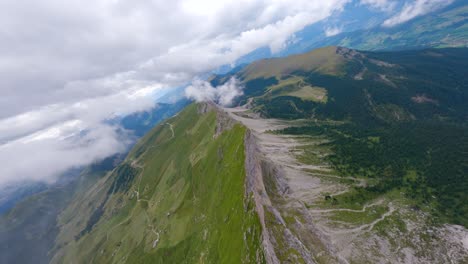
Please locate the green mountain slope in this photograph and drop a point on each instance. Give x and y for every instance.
(324, 60)
(363, 86)
(178, 197)
(32, 224)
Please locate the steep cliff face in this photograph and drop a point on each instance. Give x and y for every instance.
(289, 235)
(256, 187)
(179, 196)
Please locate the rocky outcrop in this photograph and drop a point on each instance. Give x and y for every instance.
(223, 120)
(256, 188)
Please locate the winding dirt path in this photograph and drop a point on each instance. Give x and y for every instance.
(172, 129)
(135, 164)
(364, 208)
(365, 227)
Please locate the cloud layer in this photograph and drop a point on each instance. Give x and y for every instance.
(67, 67)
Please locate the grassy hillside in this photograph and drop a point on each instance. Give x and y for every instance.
(324, 60)
(179, 197)
(32, 225)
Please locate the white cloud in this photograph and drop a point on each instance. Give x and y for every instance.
(332, 31)
(382, 5)
(40, 145)
(414, 9)
(66, 67)
(203, 91)
(44, 155)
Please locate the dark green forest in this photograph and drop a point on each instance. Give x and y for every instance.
(428, 161)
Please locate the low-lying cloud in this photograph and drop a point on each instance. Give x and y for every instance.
(43, 157)
(332, 31)
(203, 91)
(40, 145)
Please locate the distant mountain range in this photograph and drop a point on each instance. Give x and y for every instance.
(442, 28)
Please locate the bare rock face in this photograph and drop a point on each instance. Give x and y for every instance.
(223, 120)
(256, 188)
(206, 107)
(349, 53)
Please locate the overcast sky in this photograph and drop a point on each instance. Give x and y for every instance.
(66, 66)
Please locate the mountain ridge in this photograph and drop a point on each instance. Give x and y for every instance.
(170, 204)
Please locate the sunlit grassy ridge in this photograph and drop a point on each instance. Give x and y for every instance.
(187, 204)
(322, 60)
(296, 87)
